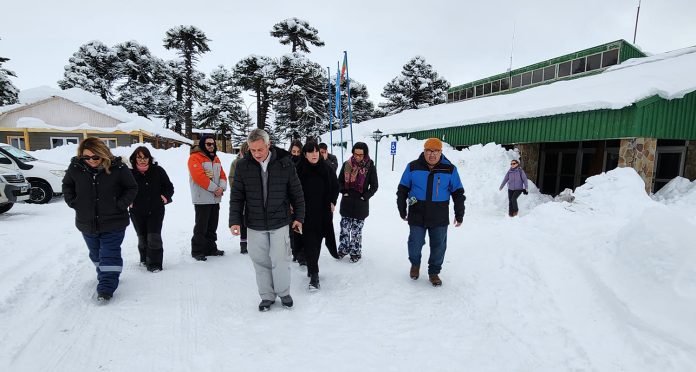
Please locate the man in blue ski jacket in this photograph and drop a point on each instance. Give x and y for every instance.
(426, 187)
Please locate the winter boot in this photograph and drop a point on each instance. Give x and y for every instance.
(415, 272)
(243, 248)
(103, 297)
(200, 257)
(355, 258)
(314, 282)
(265, 305)
(435, 280)
(286, 301)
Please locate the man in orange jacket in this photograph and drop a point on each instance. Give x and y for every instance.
(208, 182)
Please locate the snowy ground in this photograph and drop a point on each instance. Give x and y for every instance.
(606, 283)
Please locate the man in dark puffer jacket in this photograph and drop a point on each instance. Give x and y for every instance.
(266, 181)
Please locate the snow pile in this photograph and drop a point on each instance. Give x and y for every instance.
(619, 192)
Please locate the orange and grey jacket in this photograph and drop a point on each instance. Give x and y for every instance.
(202, 186)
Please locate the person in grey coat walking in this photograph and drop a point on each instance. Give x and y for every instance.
(516, 181)
(266, 182)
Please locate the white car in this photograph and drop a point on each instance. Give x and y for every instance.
(45, 177)
(13, 188)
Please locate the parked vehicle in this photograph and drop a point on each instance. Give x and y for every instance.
(13, 188)
(45, 177)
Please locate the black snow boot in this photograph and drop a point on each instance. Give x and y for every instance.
(286, 301)
(265, 305)
(313, 282)
(243, 248)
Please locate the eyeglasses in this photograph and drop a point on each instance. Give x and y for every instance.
(93, 157)
(434, 152)
(358, 155)
(142, 158)
(210, 143)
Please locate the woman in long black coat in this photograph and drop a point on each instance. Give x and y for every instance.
(99, 187)
(147, 211)
(320, 188)
(357, 182)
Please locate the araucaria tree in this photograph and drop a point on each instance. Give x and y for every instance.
(222, 104)
(298, 33)
(8, 92)
(257, 74)
(190, 42)
(94, 68)
(299, 97)
(142, 76)
(418, 86)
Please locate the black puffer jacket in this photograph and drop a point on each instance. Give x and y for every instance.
(354, 204)
(151, 184)
(284, 190)
(100, 200)
(320, 188)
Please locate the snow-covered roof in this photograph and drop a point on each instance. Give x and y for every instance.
(129, 121)
(668, 75)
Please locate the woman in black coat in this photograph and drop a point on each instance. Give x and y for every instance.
(99, 187)
(320, 188)
(147, 211)
(357, 182)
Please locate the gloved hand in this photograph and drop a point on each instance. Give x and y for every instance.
(525, 191)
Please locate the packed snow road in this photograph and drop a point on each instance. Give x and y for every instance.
(605, 283)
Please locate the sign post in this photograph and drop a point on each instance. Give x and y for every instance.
(393, 153)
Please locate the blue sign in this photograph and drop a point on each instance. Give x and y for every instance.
(393, 148)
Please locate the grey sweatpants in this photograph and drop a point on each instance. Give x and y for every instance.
(270, 253)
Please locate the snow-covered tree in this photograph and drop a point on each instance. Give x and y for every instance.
(300, 97)
(171, 104)
(298, 33)
(241, 129)
(141, 83)
(418, 86)
(190, 42)
(363, 109)
(257, 74)
(222, 104)
(8, 92)
(94, 68)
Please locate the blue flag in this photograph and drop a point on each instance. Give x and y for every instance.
(338, 94)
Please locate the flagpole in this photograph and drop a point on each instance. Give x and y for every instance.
(339, 106)
(350, 105)
(328, 87)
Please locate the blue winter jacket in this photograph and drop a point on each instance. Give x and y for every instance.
(428, 193)
(516, 179)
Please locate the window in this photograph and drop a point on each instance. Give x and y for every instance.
(17, 141)
(495, 86)
(516, 81)
(487, 88)
(564, 69)
(60, 141)
(610, 58)
(504, 84)
(470, 92)
(578, 66)
(549, 72)
(594, 62)
(110, 142)
(479, 90)
(537, 76)
(526, 78)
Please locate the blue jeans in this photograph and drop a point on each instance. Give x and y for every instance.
(105, 253)
(438, 245)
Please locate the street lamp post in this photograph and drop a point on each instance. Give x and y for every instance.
(377, 136)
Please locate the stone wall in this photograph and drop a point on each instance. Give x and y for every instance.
(690, 163)
(639, 154)
(529, 158)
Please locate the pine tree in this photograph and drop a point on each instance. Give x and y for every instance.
(94, 68)
(300, 97)
(223, 105)
(241, 129)
(257, 74)
(418, 86)
(362, 108)
(297, 32)
(8, 92)
(190, 43)
(171, 103)
(140, 87)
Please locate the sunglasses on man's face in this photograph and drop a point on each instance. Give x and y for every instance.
(210, 143)
(93, 157)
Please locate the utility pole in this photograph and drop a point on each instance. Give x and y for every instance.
(635, 30)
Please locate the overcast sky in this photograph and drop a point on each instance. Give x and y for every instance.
(463, 40)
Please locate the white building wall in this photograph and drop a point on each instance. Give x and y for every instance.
(59, 112)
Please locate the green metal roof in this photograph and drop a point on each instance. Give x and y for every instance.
(653, 117)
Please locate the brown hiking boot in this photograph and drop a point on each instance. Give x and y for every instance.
(435, 280)
(415, 272)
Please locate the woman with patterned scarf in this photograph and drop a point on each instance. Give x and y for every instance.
(357, 182)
